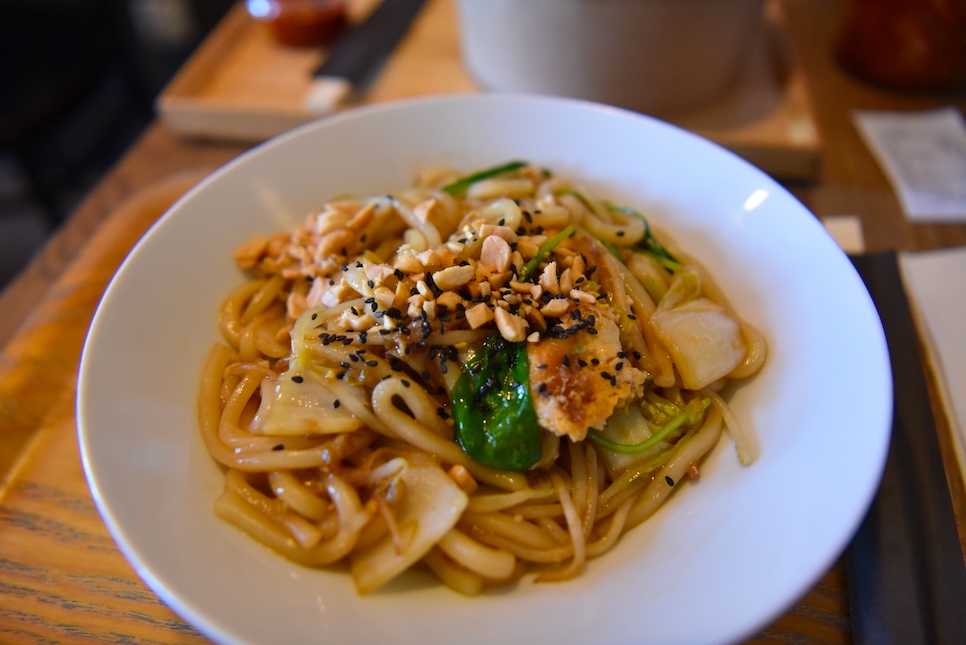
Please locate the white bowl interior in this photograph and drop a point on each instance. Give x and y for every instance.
(725, 556)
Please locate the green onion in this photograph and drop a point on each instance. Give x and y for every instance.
(690, 415)
(545, 250)
(461, 184)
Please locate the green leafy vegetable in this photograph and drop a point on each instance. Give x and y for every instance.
(651, 246)
(495, 421)
(457, 187)
(545, 250)
(692, 413)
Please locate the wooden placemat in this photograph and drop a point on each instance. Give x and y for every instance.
(241, 85)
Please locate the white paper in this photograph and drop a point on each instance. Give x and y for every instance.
(924, 156)
(936, 284)
(846, 230)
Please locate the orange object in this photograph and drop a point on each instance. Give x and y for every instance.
(300, 23)
(906, 44)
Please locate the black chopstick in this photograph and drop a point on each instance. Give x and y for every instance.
(907, 576)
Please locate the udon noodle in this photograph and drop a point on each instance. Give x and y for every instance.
(482, 375)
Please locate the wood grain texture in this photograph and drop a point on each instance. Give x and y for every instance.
(62, 580)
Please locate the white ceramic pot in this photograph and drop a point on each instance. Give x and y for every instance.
(659, 57)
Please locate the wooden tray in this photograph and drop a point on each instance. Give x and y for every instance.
(243, 86)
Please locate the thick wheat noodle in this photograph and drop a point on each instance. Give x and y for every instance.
(262, 298)
(549, 555)
(744, 441)
(454, 576)
(209, 413)
(534, 511)
(483, 503)
(576, 534)
(352, 518)
(590, 513)
(630, 491)
(415, 433)
(676, 469)
(297, 495)
(232, 435)
(489, 563)
(614, 530)
(354, 399)
(267, 326)
(523, 532)
(276, 511)
(229, 318)
(578, 475)
(555, 531)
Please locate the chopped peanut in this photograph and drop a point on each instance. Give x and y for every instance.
(512, 327)
(496, 253)
(385, 297)
(449, 299)
(555, 308)
(424, 210)
(453, 277)
(362, 218)
(582, 296)
(339, 241)
(408, 263)
(548, 279)
(463, 479)
(248, 254)
(479, 315)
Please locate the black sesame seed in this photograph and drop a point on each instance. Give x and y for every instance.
(297, 379)
(620, 233)
(566, 361)
(619, 366)
(582, 363)
(632, 316)
(442, 413)
(336, 403)
(670, 482)
(372, 363)
(541, 367)
(595, 361)
(278, 447)
(405, 383)
(592, 331)
(371, 284)
(542, 388)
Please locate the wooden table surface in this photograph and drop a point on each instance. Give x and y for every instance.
(62, 579)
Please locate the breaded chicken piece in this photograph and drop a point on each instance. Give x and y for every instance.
(578, 380)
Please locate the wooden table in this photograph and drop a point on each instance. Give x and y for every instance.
(62, 578)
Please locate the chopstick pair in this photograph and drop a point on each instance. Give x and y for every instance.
(907, 576)
(357, 55)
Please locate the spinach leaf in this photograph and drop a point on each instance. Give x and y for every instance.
(495, 421)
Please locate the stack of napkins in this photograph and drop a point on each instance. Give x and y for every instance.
(936, 284)
(924, 156)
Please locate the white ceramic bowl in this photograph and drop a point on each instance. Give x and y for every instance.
(659, 57)
(723, 558)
